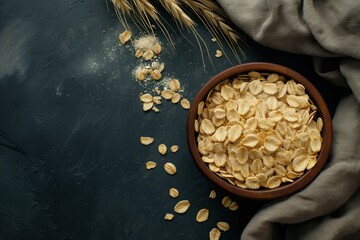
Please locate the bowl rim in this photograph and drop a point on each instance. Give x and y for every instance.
(284, 189)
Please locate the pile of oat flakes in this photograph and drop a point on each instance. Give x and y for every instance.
(259, 130)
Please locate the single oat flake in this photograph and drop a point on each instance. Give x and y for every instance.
(233, 206)
(170, 168)
(214, 234)
(156, 74)
(174, 148)
(223, 226)
(202, 215)
(185, 103)
(176, 98)
(139, 53)
(150, 165)
(157, 49)
(182, 206)
(167, 94)
(173, 192)
(146, 98)
(226, 201)
(147, 106)
(218, 53)
(169, 216)
(148, 54)
(162, 149)
(155, 109)
(212, 194)
(174, 84)
(125, 36)
(146, 140)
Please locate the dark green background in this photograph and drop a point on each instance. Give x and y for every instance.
(71, 165)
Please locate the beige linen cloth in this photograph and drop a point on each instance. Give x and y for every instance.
(329, 208)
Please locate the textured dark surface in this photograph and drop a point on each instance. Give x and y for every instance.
(71, 165)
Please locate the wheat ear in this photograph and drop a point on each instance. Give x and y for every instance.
(142, 13)
(173, 7)
(146, 11)
(122, 5)
(214, 19)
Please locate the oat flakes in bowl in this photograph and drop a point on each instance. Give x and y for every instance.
(259, 130)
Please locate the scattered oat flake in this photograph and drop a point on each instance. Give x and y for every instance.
(173, 192)
(218, 53)
(147, 106)
(139, 53)
(226, 201)
(212, 194)
(214, 234)
(157, 99)
(156, 74)
(150, 165)
(185, 103)
(174, 148)
(162, 149)
(213, 39)
(155, 109)
(176, 98)
(182, 206)
(202, 215)
(169, 216)
(157, 90)
(167, 94)
(174, 85)
(146, 98)
(234, 206)
(125, 36)
(157, 49)
(170, 168)
(140, 73)
(146, 140)
(223, 226)
(162, 67)
(155, 65)
(148, 54)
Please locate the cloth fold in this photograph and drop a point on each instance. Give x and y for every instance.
(328, 30)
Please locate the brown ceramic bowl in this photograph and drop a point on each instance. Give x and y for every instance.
(283, 189)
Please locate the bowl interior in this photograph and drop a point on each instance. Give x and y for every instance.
(283, 189)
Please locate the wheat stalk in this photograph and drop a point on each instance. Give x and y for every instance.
(173, 7)
(122, 5)
(213, 17)
(122, 8)
(142, 12)
(146, 11)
